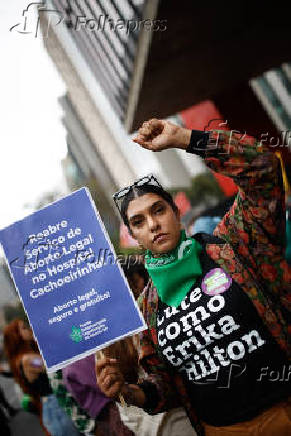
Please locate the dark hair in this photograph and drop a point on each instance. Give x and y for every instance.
(15, 347)
(139, 191)
(13, 342)
(130, 270)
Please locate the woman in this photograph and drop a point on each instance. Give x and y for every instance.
(21, 349)
(28, 370)
(216, 306)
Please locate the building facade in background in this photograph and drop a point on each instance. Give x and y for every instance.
(102, 69)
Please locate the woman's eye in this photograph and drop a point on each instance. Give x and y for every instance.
(137, 223)
(159, 209)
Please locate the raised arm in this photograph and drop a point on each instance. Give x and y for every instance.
(255, 225)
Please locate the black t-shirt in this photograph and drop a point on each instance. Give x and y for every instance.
(232, 366)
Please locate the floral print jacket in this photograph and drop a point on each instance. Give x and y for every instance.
(252, 252)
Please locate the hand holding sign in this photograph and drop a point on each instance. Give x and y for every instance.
(109, 377)
(111, 381)
(73, 290)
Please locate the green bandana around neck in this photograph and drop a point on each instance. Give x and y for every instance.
(174, 273)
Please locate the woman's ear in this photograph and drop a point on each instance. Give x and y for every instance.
(178, 215)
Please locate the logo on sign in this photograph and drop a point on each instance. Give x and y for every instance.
(76, 334)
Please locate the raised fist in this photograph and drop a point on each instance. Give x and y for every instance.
(158, 135)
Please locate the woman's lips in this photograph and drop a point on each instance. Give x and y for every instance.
(160, 238)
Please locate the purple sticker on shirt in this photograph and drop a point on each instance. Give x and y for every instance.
(216, 282)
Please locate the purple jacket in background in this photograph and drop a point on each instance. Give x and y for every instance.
(80, 380)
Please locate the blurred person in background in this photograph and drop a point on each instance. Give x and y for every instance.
(208, 219)
(137, 277)
(20, 348)
(237, 279)
(9, 400)
(29, 372)
(6, 413)
(83, 422)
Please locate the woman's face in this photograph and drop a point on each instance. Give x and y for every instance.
(153, 223)
(136, 283)
(25, 331)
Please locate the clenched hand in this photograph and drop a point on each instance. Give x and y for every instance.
(158, 135)
(109, 378)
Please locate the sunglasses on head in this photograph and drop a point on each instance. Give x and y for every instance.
(119, 196)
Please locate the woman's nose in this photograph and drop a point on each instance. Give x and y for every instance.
(152, 223)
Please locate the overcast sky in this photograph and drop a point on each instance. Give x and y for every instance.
(32, 138)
